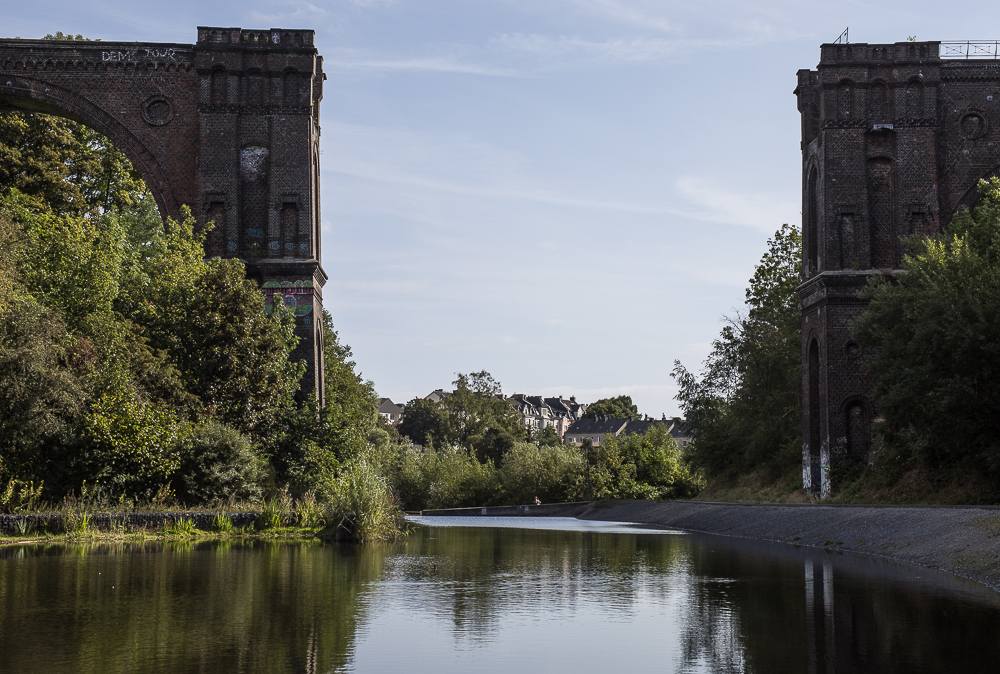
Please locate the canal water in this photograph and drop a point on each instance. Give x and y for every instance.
(512, 595)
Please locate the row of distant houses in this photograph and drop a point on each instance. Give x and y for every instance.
(598, 428)
(564, 415)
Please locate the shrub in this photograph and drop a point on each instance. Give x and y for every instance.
(362, 506)
(552, 473)
(219, 463)
(277, 511)
(222, 523)
(445, 478)
(648, 466)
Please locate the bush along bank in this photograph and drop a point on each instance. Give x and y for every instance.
(649, 466)
(82, 525)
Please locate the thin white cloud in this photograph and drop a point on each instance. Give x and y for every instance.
(427, 64)
(454, 166)
(634, 13)
(724, 205)
(563, 51)
(295, 12)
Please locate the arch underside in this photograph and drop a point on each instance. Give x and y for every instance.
(51, 99)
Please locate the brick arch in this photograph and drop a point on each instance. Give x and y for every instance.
(32, 95)
(857, 414)
(181, 114)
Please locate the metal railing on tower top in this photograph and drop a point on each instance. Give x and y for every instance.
(970, 49)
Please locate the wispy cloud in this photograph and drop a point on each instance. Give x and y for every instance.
(562, 51)
(347, 61)
(635, 13)
(718, 203)
(455, 166)
(289, 13)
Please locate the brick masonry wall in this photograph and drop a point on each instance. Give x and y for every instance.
(894, 142)
(228, 126)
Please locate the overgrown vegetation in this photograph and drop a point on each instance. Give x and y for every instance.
(930, 337)
(649, 466)
(745, 406)
(129, 361)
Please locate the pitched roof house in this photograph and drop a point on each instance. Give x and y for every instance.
(538, 413)
(390, 411)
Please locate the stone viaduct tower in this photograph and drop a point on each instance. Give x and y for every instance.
(895, 138)
(228, 126)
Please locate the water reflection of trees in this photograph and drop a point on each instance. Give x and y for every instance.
(479, 575)
(777, 609)
(298, 607)
(741, 607)
(246, 607)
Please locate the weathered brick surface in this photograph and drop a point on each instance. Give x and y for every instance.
(894, 141)
(228, 126)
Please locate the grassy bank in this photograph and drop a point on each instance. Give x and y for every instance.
(901, 486)
(280, 516)
(181, 529)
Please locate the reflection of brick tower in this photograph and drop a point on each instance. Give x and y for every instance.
(894, 141)
(258, 166)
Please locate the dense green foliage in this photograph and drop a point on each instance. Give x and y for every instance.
(134, 368)
(131, 343)
(932, 346)
(620, 407)
(650, 466)
(745, 406)
(133, 365)
(475, 416)
(426, 423)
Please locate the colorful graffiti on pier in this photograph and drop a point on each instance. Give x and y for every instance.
(295, 295)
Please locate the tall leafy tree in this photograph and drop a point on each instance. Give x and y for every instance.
(932, 338)
(65, 165)
(619, 407)
(425, 422)
(745, 406)
(480, 418)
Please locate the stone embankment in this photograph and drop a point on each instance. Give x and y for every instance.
(963, 540)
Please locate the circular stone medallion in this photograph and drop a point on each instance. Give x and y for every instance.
(157, 111)
(972, 125)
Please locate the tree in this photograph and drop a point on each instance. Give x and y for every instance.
(620, 407)
(549, 437)
(43, 391)
(65, 165)
(647, 466)
(426, 423)
(480, 418)
(745, 406)
(930, 338)
(210, 321)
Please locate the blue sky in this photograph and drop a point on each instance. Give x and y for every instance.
(568, 193)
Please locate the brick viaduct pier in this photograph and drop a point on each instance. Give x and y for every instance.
(228, 126)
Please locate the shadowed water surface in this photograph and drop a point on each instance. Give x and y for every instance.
(487, 595)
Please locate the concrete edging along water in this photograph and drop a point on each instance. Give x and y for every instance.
(543, 510)
(963, 540)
